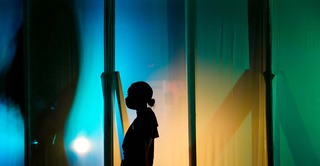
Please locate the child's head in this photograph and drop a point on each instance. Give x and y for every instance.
(139, 95)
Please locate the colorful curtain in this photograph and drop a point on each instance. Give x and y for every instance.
(295, 59)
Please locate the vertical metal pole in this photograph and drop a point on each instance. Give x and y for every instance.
(191, 51)
(260, 45)
(269, 76)
(109, 56)
(26, 57)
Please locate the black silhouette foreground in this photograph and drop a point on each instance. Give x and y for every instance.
(138, 144)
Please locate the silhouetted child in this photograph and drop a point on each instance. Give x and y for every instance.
(138, 144)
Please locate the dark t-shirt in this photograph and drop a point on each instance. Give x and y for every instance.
(138, 144)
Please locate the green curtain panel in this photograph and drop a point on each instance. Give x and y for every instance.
(295, 62)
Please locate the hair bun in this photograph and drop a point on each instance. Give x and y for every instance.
(151, 102)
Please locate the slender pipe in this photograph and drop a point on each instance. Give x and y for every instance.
(191, 83)
(27, 88)
(269, 76)
(260, 45)
(109, 56)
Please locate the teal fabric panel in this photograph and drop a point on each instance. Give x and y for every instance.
(295, 48)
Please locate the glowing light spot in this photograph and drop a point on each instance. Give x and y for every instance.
(34, 142)
(81, 146)
(11, 134)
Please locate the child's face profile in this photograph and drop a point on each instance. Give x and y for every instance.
(133, 101)
(130, 102)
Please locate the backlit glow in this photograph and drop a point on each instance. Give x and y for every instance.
(86, 115)
(81, 145)
(11, 134)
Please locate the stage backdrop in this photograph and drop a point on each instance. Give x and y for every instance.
(150, 46)
(66, 50)
(230, 96)
(295, 62)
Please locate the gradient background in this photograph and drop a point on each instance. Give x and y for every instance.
(230, 114)
(66, 59)
(296, 57)
(11, 83)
